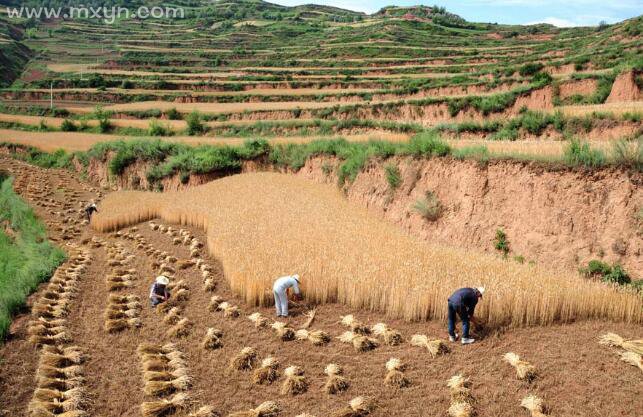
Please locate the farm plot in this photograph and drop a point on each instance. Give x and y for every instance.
(314, 231)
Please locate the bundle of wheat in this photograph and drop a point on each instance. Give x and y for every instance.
(61, 357)
(209, 285)
(614, 340)
(215, 301)
(164, 406)
(41, 335)
(336, 382)
(394, 374)
(173, 316)
(633, 359)
(461, 398)
(391, 337)
(355, 325)
(185, 264)
(182, 294)
(360, 343)
(258, 319)
(204, 411)
(284, 332)
(267, 372)
(435, 347)
(244, 360)
(534, 405)
(524, 370)
(180, 329)
(212, 339)
(265, 409)
(316, 337)
(163, 387)
(357, 407)
(117, 325)
(295, 382)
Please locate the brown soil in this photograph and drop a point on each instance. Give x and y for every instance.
(580, 87)
(625, 88)
(577, 377)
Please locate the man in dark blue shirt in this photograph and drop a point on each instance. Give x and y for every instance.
(463, 303)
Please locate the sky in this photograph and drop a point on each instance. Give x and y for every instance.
(562, 13)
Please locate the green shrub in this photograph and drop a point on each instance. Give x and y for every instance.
(393, 176)
(580, 154)
(68, 126)
(428, 144)
(104, 125)
(501, 243)
(429, 206)
(611, 274)
(158, 129)
(530, 69)
(628, 154)
(195, 126)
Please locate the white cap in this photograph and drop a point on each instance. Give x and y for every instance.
(296, 277)
(481, 290)
(163, 280)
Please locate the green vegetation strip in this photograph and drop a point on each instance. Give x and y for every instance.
(27, 258)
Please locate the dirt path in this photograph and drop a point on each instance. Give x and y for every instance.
(577, 377)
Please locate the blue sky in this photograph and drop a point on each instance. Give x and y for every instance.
(558, 12)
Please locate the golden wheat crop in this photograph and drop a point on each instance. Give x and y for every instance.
(265, 225)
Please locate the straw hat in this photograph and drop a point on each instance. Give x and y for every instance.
(296, 277)
(163, 280)
(481, 290)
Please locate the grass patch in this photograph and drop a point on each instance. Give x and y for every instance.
(27, 258)
(429, 206)
(393, 176)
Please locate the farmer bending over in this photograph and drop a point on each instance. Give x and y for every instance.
(463, 302)
(90, 209)
(280, 291)
(159, 292)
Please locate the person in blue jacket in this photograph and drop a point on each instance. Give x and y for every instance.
(463, 303)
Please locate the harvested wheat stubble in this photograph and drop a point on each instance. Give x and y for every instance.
(295, 382)
(265, 409)
(435, 347)
(316, 337)
(212, 339)
(395, 375)
(336, 382)
(315, 231)
(534, 405)
(524, 370)
(284, 332)
(391, 337)
(357, 407)
(461, 398)
(267, 372)
(244, 360)
(614, 340)
(360, 343)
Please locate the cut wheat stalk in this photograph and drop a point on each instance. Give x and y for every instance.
(215, 302)
(316, 337)
(212, 339)
(391, 337)
(165, 406)
(435, 347)
(360, 343)
(295, 382)
(244, 360)
(173, 316)
(524, 370)
(614, 340)
(395, 374)
(209, 285)
(460, 388)
(460, 409)
(335, 382)
(204, 411)
(267, 372)
(117, 325)
(284, 332)
(534, 405)
(357, 407)
(265, 409)
(159, 387)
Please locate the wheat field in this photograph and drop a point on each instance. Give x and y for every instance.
(264, 225)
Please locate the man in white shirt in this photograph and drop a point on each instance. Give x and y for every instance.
(280, 291)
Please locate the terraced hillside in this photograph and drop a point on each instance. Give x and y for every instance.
(238, 69)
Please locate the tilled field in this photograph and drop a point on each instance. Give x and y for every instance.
(108, 276)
